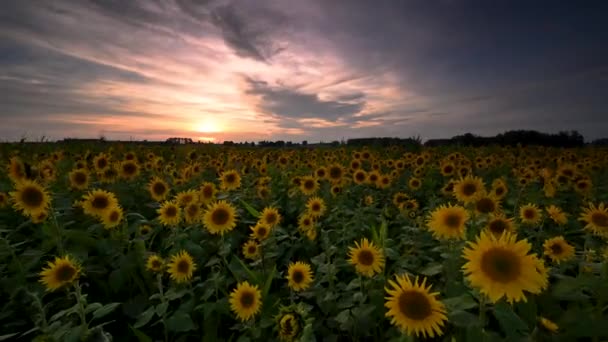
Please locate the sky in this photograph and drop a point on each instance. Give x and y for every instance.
(315, 70)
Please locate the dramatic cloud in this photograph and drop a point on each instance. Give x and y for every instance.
(301, 70)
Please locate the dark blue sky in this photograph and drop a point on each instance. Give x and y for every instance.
(301, 70)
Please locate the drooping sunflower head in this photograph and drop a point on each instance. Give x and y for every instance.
(299, 276)
(308, 185)
(557, 215)
(290, 322)
(530, 214)
(145, 230)
(498, 224)
(230, 180)
(468, 189)
(192, 213)
(558, 249)
(245, 301)
(207, 192)
(413, 308)
(155, 263)
(169, 214)
(112, 217)
(97, 202)
(315, 206)
(596, 219)
(158, 189)
(448, 222)
(252, 249)
(79, 179)
(220, 218)
(16, 169)
(503, 268)
(59, 273)
(270, 217)
(30, 198)
(181, 267)
(548, 325)
(367, 258)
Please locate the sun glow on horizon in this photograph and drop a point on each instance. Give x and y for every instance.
(209, 126)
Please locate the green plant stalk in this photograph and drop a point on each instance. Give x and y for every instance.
(482, 310)
(81, 313)
(42, 312)
(159, 281)
(59, 236)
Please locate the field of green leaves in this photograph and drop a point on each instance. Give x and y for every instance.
(128, 242)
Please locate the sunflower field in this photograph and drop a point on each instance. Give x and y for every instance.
(142, 242)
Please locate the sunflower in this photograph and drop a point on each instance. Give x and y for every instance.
(245, 301)
(169, 213)
(41, 217)
(30, 198)
(260, 231)
(367, 258)
(144, 230)
(368, 200)
(252, 249)
(373, 177)
(207, 192)
(468, 189)
(79, 179)
(499, 188)
(359, 176)
(101, 162)
(548, 325)
(558, 249)
(487, 204)
(158, 189)
(557, 215)
(498, 224)
(335, 173)
(447, 169)
(97, 202)
(270, 217)
(192, 213)
(414, 183)
(384, 181)
(448, 222)
(321, 173)
(289, 326)
(399, 199)
(309, 185)
(108, 175)
(503, 268)
(413, 308)
(530, 214)
(112, 217)
(306, 222)
(311, 234)
(299, 276)
(128, 169)
(315, 206)
(183, 198)
(60, 272)
(16, 170)
(155, 263)
(596, 219)
(181, 267)
(220, 218)
(230, 180)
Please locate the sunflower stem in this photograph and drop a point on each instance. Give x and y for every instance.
(83, 319)
(482, 310)
(159, 281)
(40, 308)
(59, 237)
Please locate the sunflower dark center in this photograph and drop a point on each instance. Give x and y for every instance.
(599, 219)
(230, 178)
(309, 184)
(365, 257)
(498, 226)
(529, 214)
(65, 272)
(453, 220)
(171, 211)
(499, 191)
(501, 265)
(448, 169)
(582, 185)
(32, 196)
(315, 207)
(360, 176)
(129, 168)
(415, 183)
(335, 172)
(207, 192)
(183, 266)
(469, 189)
(321, 173)
(262, 231)
(252, 249)
(485, 205)
(271, 218)
(156, 264)
(297, 276)
(102, 163)
(100, 202)
(80, 178)
(373, 178)
(247, 299)
(114, 216)
(159, 188)
(220, 216)
(192, 210)
(414, 305)
(556, 249)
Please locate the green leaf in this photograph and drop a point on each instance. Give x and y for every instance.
(92, 307)
(141, 337)
(269, 282)
(144, 318)
(249, 272)
(252, 211)
(7, 336)
(463, 302)
(462, 318)
(105, 310)
(510, 323)
(180, 322)
(162, 308)
(432, 269)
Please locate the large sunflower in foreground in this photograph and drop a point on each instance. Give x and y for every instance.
(558, 249)
(367, 258)
(596, 219)
(181, 267)
(245, 301)
(468, 189)
(169, 214)
(98, 202)
(299, 276)
(413, 308)
(220, 218)
(60, 272)
(30, 198)
(448, 222)
(503, 268)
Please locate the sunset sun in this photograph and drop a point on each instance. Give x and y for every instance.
(208, 126)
